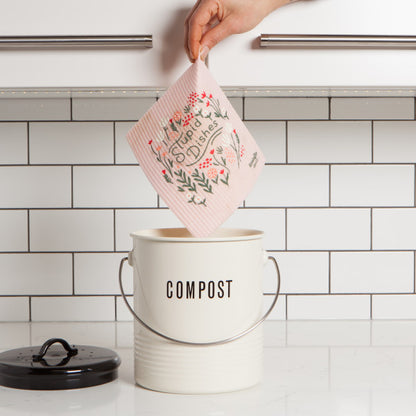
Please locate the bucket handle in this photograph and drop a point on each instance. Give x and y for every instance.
(200, 344)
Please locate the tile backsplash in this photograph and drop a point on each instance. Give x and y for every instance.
(336, 201)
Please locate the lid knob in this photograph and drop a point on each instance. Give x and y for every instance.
(44, 348)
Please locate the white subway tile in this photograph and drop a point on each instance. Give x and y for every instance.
(279, 311)
(35, 186)
(13, 143)
(35, 109)
(125, 335)
(328, 333)
(372, 272)
(97, 274)
(71, 143)
(394, 228)
(112, 186)
(328, 307)
(371, 368)
(266, 108)
(123, 314)
(394, 306)
(87, 333)
(73, 308)
(13, 309)
(110, 108)
(124, 154)
(329, 142)
(328, 229)
(372, 185)
(12, 333)
(300, 272)
(394, 141)
(71, 230)
(13, 230)
(237, 103)
(372, 108)
(271, 138)
(36, 274)
(270, 221)
(291, 186)
(129, 221)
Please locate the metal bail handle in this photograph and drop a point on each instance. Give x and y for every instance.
(201, 344)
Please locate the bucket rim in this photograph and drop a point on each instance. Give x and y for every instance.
(183, 235)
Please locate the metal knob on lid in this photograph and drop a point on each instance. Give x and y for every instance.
(53, 367)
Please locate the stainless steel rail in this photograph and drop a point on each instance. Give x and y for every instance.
(105, 41)
(335, 41)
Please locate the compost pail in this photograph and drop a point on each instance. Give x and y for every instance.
(198, 306)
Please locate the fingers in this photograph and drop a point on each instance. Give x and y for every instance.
(198, 23)
(217, 34)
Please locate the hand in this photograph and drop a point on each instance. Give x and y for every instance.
(211, 21)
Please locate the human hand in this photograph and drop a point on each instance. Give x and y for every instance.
(211, 21)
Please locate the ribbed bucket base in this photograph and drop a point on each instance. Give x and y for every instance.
(168, 367)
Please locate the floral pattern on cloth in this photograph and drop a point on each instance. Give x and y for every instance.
(196, 151)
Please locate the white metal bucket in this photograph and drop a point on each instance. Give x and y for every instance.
(198, 309)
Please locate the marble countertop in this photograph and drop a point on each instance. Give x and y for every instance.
(325, 368)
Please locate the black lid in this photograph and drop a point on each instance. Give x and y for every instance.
(50, 367)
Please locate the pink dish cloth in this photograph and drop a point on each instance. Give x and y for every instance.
(196, 151)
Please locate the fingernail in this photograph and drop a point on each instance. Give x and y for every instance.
(203, 52)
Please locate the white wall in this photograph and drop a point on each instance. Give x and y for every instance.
(336, 200)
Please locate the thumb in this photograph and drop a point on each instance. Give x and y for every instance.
(218, 33)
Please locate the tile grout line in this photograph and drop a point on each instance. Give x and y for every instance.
(115, 310)
(30, 308)
(73, 273)
(28, 143)
(329, 108)
(72, 186)
(114, 142)
(114, 230)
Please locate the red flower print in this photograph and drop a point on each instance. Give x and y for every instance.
(187, 119)
(212, 151)
(158, 148)
(192, 99)
(171, 121)
(150, 141)
(234, 131)
(207, 103)
(222, 171)
(164, 171)
(203, 95)
(210, 96)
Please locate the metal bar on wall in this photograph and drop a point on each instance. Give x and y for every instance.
(105, 41)
(332, 41)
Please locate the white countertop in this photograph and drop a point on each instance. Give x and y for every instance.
(325, 368)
